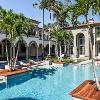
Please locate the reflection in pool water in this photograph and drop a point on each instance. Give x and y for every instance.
(48, 84)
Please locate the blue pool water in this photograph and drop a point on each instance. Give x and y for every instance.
(48, 84)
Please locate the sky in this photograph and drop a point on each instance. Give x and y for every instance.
(25, 7)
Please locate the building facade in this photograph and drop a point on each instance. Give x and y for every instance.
(30, 47)
(34, 45)
(85, 38)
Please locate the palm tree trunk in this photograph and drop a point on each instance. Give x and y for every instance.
(16, 56)
(49, 41)
(49, 47)
(86, 18)
(65, 48)
(56, 51)
(42, 36)
(91, 57)
(7, 54)
(60, 51)
(11, 63)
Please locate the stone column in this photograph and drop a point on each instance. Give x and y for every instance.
(37, 53)
(87, 45)
(74, 47)
(27, 52)
(49, 47)
(94, 43)
(56, 49)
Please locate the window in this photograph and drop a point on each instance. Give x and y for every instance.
(81, 44)
(82, 51)
(23, 48)
(71, 49)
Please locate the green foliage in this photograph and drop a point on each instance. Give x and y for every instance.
(65, 60)
(68, 60)
(82, 7)
(15, 25)
(48, 57)
(80, 60)
(61, 35)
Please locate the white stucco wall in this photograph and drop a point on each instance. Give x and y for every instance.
(28, 40)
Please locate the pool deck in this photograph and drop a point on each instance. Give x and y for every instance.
(86, 91)
(85, 62)
(5, 72)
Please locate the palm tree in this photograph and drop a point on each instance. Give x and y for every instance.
(4, 28)
(23, 27)
(42, 6)
(67, 38)
(58, 35)
(15, 26)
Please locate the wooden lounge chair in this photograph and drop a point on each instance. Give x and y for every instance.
(24, 64)
(32, 62)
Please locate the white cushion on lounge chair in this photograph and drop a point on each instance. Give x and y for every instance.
(7, 67)
(24, 67)
(34, 65)
(21, 63)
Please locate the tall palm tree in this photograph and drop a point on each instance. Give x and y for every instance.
(5, 28)
(21, 29)
(15, 26)
(82, 7)
(41, 5)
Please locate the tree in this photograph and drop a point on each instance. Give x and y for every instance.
(5, 26)
(58, 35)
(14, 26)
(61, 36)
(23, 27)
(67, 38)
(82, 7)
(41, 5)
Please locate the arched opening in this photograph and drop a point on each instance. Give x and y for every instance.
(53, 50)
(3, 49)
(46, 50)
(80, 45)
(33, 50)
(71, 49)
(21, 50)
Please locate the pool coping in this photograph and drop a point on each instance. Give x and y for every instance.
(6, 72)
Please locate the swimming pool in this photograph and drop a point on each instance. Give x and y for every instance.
(49, 84)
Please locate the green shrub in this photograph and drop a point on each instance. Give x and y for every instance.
(68, 60)
(80, 59)
(65, 60)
